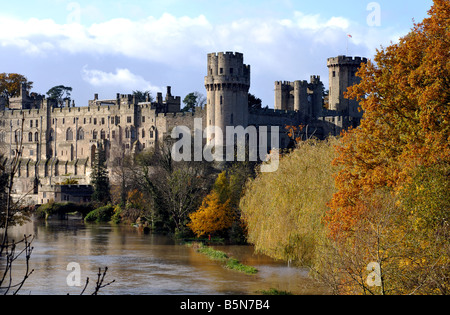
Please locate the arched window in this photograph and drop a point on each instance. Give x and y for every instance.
(94, 135)
(80, 135)
(127, 133)
(30, 137)
(103, 135)
(36, 137)
(69, 135)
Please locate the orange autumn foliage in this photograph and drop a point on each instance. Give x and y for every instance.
(10, 84)
(212, 216)
(294, 132)
(405, 96)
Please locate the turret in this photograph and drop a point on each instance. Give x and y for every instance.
(342, 72)
(227, 84)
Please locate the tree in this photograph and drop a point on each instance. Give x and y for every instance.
(100, 177)
(143, 96)
(11, 214)
(175, 189)
(11, 84)
(254, 102)
(405, 96)
(402, 149)
(59, 93)
(284, 209)
(212, 216)
(193, 100)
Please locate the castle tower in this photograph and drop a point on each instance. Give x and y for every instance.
(300, 96)
(342, 71)
(227, 85)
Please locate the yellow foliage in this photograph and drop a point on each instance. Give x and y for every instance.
(283, 210)
(212, 216)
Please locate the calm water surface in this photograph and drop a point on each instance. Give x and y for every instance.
(144, 264)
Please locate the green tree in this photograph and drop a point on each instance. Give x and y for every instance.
(143, 96)
(100, 177)
(193, 100)
(254, 102)
(59, 93)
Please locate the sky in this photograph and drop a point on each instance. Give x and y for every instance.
(109, 47)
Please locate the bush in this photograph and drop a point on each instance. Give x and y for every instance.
(102, 214)
(52, 208)
(117, 216)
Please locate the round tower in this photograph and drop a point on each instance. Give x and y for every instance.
(342, 71)
(227, 84)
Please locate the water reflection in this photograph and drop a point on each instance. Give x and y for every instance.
(145, 264)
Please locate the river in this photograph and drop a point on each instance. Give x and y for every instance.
(143, 264)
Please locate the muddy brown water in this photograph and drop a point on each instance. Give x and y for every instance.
(143, 264)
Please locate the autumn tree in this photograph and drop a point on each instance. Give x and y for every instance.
(405, 96)
(403, 141)
(284, 209)
(11, 84)
(212, 216)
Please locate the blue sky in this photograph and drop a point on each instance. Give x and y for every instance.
(110, 47)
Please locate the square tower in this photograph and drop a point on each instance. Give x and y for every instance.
(342, 71)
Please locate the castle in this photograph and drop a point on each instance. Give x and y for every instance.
(59, 141)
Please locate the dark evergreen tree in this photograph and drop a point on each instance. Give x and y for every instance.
(100, 178)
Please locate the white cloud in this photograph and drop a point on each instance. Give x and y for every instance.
(277, 49)
(167, 39)
(122, 78)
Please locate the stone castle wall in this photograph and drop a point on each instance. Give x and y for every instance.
(59, 141)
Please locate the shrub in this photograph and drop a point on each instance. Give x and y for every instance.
(102, 214)
(53, 208)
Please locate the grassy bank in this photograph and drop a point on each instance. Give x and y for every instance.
(230, 263)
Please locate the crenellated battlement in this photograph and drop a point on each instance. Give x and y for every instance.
(346, 60)
(230, 65)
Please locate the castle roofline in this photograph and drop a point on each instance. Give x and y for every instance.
(346, 60)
